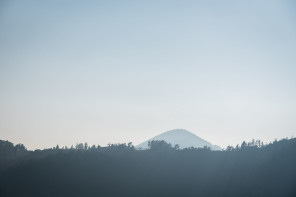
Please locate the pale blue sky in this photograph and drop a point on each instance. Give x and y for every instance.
(119, 71)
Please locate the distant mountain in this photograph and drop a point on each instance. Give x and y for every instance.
(182, 137)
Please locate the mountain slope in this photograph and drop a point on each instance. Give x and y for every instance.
(182, 137)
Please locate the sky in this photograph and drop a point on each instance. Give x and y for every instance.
(125, 71)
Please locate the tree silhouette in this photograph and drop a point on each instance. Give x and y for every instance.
(163, 170)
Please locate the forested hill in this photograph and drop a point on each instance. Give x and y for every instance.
(119, 170)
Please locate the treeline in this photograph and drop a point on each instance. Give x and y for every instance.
(251, 169)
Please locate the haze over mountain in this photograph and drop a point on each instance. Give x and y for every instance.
(182, 137)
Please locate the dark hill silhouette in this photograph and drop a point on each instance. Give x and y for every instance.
(119, 170)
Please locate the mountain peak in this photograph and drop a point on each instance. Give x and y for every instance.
(179, 131)
(182, 137)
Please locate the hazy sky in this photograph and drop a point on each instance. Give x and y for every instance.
(120, 71)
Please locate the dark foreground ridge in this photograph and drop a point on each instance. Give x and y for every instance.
(119, 170)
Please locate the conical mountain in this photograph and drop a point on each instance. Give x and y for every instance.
(182, 137)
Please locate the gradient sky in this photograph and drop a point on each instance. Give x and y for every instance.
(119, 71)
